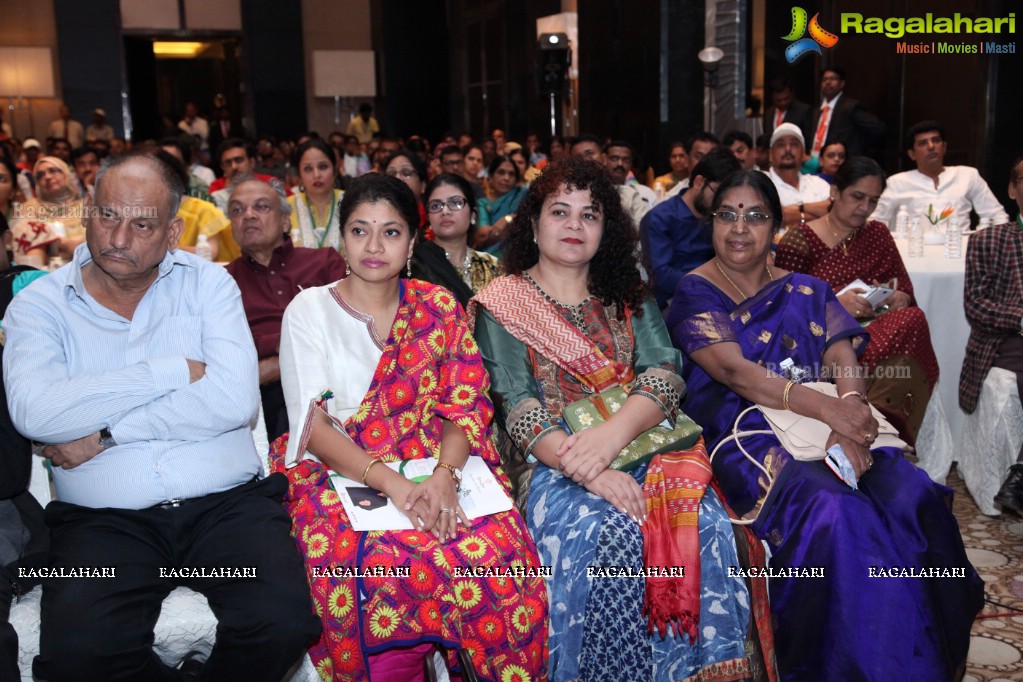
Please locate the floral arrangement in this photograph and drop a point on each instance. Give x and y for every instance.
(934, 219)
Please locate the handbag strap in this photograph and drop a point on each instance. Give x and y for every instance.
(737, 435)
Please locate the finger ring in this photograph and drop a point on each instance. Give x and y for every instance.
(447, 511)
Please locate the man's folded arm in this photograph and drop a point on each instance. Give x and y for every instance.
(226, 398)
(49, 405)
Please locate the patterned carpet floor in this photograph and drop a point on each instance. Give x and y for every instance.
(995, 546)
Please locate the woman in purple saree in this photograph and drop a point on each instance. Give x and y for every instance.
(738, 318)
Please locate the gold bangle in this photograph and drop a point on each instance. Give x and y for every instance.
(855, 393)
(365, 472)
(785, 395)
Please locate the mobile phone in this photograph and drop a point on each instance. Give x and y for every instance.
(839, 463)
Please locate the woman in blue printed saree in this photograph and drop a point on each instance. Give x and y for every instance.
(567, 322)
(738, 318)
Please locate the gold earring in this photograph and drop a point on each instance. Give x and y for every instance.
(348, 269)
(408, 266)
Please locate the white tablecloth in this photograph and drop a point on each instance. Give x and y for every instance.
(938, 286)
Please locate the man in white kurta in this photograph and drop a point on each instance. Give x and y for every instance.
(934, 187)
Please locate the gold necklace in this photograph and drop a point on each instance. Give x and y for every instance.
(841, 242)
(734, 285)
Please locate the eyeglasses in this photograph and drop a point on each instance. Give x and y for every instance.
(406, 173)
(754, 218)
(236, 210)
(454, 204)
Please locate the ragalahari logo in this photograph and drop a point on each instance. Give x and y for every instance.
(802, 46)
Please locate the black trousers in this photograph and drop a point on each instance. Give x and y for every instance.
(102, 628)
(1010, 357)
(8, 636)
(275, 411)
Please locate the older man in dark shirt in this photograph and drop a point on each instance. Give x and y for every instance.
(270, 272)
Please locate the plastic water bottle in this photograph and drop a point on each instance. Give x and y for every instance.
(916, 238)
(953, 239)
(902, 223)
(203, 248)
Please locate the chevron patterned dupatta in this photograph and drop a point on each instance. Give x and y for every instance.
(534, 321)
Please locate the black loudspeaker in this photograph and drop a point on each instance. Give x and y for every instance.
(552, 62)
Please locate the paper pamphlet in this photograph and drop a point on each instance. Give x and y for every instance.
(369, 509)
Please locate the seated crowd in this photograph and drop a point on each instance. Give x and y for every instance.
(409, 306)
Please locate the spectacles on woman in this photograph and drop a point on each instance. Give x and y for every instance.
(403, 172)
(453, 203)
(755, 218)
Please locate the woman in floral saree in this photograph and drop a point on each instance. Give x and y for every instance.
(393, 362)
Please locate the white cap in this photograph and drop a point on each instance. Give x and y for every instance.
(787, 130)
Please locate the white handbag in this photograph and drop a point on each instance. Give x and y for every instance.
(803, 437)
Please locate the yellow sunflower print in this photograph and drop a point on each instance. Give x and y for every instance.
(383, 622)
(467, 594)
(340, 601)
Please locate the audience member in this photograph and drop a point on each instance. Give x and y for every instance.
(237, 159)
(355, 162)
(700, 145)
(674, 234)
(59, 147)
(932, 186)
(51, 223)
(363, 126)
(741, 145)
(270, 273)
(503, 193)
(762, 152)
(200, 217)
(181, 149)
(535, 148)
(24, 538)
(314, 217)
(619, 157)
(194, 124)
(474, 170)
(785, 108)
(224, 128)
(587, 146)
(740, 320)
(66, 128)
(832, 157)
(802, 196)
(85, 161)
(148, 439)
(994, 308)
(268, 159)
(678, 161)
(452, 160)
(842, 118)
(844, 246)
(99, 129)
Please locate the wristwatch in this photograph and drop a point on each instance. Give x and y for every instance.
(456, 475)
(106, 441)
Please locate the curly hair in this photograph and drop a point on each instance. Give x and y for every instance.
(613, 273)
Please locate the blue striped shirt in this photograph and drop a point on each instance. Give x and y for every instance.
(72, 367)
